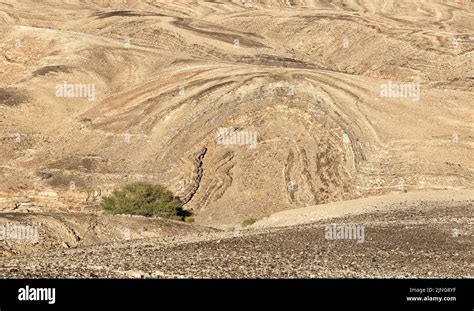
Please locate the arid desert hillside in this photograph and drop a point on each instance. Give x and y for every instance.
(244, 109)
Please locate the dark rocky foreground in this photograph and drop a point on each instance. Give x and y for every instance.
(425, 240)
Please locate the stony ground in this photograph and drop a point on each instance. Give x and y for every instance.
(420, 240)
(169, 75)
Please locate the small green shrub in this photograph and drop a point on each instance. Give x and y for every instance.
(144, 199)
(248, 222)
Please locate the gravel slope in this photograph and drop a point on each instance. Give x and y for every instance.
(415, 241)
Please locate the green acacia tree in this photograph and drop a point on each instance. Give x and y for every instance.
(144, 199)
